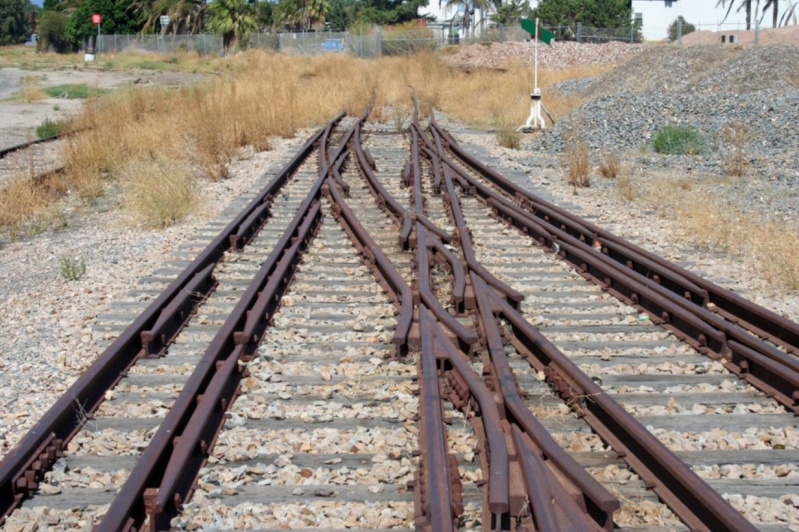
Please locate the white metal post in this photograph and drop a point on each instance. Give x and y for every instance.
(535, 84)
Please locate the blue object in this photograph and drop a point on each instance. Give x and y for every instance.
(332, 45)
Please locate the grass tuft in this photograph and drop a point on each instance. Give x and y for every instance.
(609, 165)
(507, 137)
(577, 161)
(160, 191)
(734, 140)
(71, 269)
(49, 128)
(72, 91)
(679, 140)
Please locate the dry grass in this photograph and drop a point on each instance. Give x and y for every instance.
(609, 165)
(576, 159)
(734, 140)
(766, 246)
(159, 191)
(260, 95)
(507, 137)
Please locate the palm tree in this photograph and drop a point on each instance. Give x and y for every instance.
(185, 16)
(745, 4)
(234, 19)
(307, 14)
(788, 16)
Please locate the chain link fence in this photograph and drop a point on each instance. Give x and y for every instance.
(375, 43)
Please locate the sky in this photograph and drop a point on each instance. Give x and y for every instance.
(657, 17)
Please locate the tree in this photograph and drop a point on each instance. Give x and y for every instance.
(185, 16)
(234, 19)
(788, 16)
(16, 17)
(615, 14)
(687, 28)
(263, 15)
(744, 5)
(389, 11)
(116, 19)
(303, 14)
(511, 12)
(341, 15)
(53, 31)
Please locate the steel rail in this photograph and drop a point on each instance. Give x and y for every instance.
(38, 450)
(596, 501)
(457, 269)
(435, 507)
(466, 384)
(451, 199)
(141, 495)
(682, 282)
(774, 372)
(692, 500)
(466, 336)
(194, 443)
(387, 201)
(21, 146)
(374, 258)
(462, 231)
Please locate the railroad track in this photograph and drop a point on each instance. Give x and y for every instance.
(391, 335)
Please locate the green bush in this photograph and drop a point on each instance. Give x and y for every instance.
(679, 140)
(53, 32)
(48, 128)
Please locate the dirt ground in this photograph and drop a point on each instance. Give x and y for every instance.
(18, 119)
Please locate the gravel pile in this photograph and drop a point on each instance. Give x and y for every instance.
(704, 88)
(558, 55)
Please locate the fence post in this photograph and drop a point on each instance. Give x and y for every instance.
(379, 42)
(679, 31)
(579, 32)
(757, 30)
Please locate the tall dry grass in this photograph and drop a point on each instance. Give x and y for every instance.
(260, 95)
(764, 245)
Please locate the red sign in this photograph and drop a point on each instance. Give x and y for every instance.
(97, 18)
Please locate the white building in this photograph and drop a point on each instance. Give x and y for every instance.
(655, 13)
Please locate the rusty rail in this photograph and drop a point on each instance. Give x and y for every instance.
(676, 279)
(764, 366)
(164, 474)
(37, 451)
(696, 503)
(437, 485)
(597, 503)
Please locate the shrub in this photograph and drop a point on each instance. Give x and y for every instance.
(734, 139)
(406, 39)
(161, 192)
(53, 32)
(679, 140)
(577, 161)
(49, 128)
(509, 138)
(609, 165)
(72, 269)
